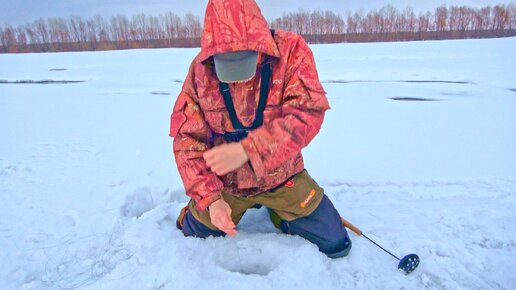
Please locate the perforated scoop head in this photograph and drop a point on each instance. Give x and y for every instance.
(409, 263)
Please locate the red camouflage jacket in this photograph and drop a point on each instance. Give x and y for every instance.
(293, 115)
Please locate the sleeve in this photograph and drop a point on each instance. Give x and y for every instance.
(192, 137)
(303, 106)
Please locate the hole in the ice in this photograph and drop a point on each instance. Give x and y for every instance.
(57, 69)
(396, 81)
(413, 99)
(40, 82)
(160, 93)
(457, 94)
(249, 268)
(248, 262)
(438, 81)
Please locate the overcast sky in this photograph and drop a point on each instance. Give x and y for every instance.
(16, 12)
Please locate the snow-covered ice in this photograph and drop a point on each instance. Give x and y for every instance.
(90, 191)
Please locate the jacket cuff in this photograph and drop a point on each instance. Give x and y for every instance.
(205, 202)
(254, 156)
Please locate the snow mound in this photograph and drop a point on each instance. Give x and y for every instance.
(141, 201)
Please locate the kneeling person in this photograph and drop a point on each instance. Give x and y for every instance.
(250, 102)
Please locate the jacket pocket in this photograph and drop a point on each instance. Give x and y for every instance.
(297, 198)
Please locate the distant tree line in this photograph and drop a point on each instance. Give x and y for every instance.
(392, 24)
(170, 30)
(98, 33)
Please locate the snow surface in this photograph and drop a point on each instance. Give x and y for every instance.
(90, 191)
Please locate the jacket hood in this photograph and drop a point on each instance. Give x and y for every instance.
(235, 25)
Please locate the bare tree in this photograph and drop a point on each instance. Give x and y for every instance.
(512, 11)
(172, 25)
(441, 18)
(21, 37)
(2, 43)
(351, 22)
(501, 18)
(42, 30)
(192, 26)
(424, 22)
(78, 29)
(8, 37)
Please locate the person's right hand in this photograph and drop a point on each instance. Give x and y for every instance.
(220, 215)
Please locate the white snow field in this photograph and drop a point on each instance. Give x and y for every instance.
(418, 150)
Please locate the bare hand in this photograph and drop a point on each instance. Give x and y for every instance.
(220, 215)
(225, 158)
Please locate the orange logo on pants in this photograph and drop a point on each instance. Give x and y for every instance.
(308, 199)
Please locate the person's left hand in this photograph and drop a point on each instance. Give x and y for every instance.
(225, 158)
